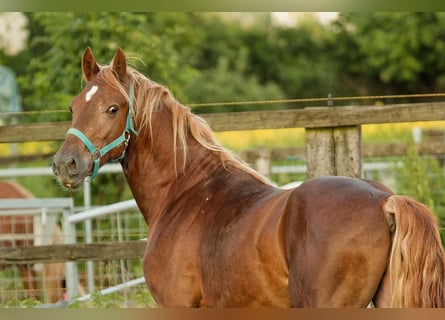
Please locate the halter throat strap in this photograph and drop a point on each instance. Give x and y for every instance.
(123, 139)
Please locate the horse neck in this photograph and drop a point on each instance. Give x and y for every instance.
(157, 177)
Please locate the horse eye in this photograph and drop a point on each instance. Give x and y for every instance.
(70, 108)
(113, 110)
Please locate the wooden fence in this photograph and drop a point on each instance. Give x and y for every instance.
(313, 117)
(73, 252)
(333, 146)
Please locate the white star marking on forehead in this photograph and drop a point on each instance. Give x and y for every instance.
(91, 93)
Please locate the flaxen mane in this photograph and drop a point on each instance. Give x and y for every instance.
(150, 96)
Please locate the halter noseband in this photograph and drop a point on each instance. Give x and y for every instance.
(124, 138)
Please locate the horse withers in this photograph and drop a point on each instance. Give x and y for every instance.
(221, 235)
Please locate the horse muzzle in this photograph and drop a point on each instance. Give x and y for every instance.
(71, 169)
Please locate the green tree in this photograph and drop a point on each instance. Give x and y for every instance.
(297, 59)
(392, 52)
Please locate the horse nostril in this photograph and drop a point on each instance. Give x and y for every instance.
(71, 165)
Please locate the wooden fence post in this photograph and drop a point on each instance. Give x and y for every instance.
(320, 152)
(348, 151)
(334, 151)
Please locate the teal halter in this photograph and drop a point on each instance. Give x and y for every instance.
(123, 139)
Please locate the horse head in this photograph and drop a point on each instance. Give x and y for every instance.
(102, 121)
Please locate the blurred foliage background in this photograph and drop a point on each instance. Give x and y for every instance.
(212, 57)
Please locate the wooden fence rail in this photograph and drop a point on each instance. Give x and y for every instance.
(73, 252)
(314, 117)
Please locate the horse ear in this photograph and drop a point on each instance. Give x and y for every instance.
(89, 65)
(119, 64)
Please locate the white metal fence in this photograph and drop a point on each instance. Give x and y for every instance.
(40, 216)
(115, 222)
(123, 222)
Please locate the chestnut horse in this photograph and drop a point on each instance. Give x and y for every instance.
(221, 235)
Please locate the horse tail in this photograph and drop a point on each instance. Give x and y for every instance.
(417, 260)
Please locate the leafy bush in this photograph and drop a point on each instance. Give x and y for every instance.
(422, 178)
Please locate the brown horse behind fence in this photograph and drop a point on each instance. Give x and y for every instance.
(220, 235)
(17, 231)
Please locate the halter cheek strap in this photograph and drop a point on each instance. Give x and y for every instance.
(123, 139)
